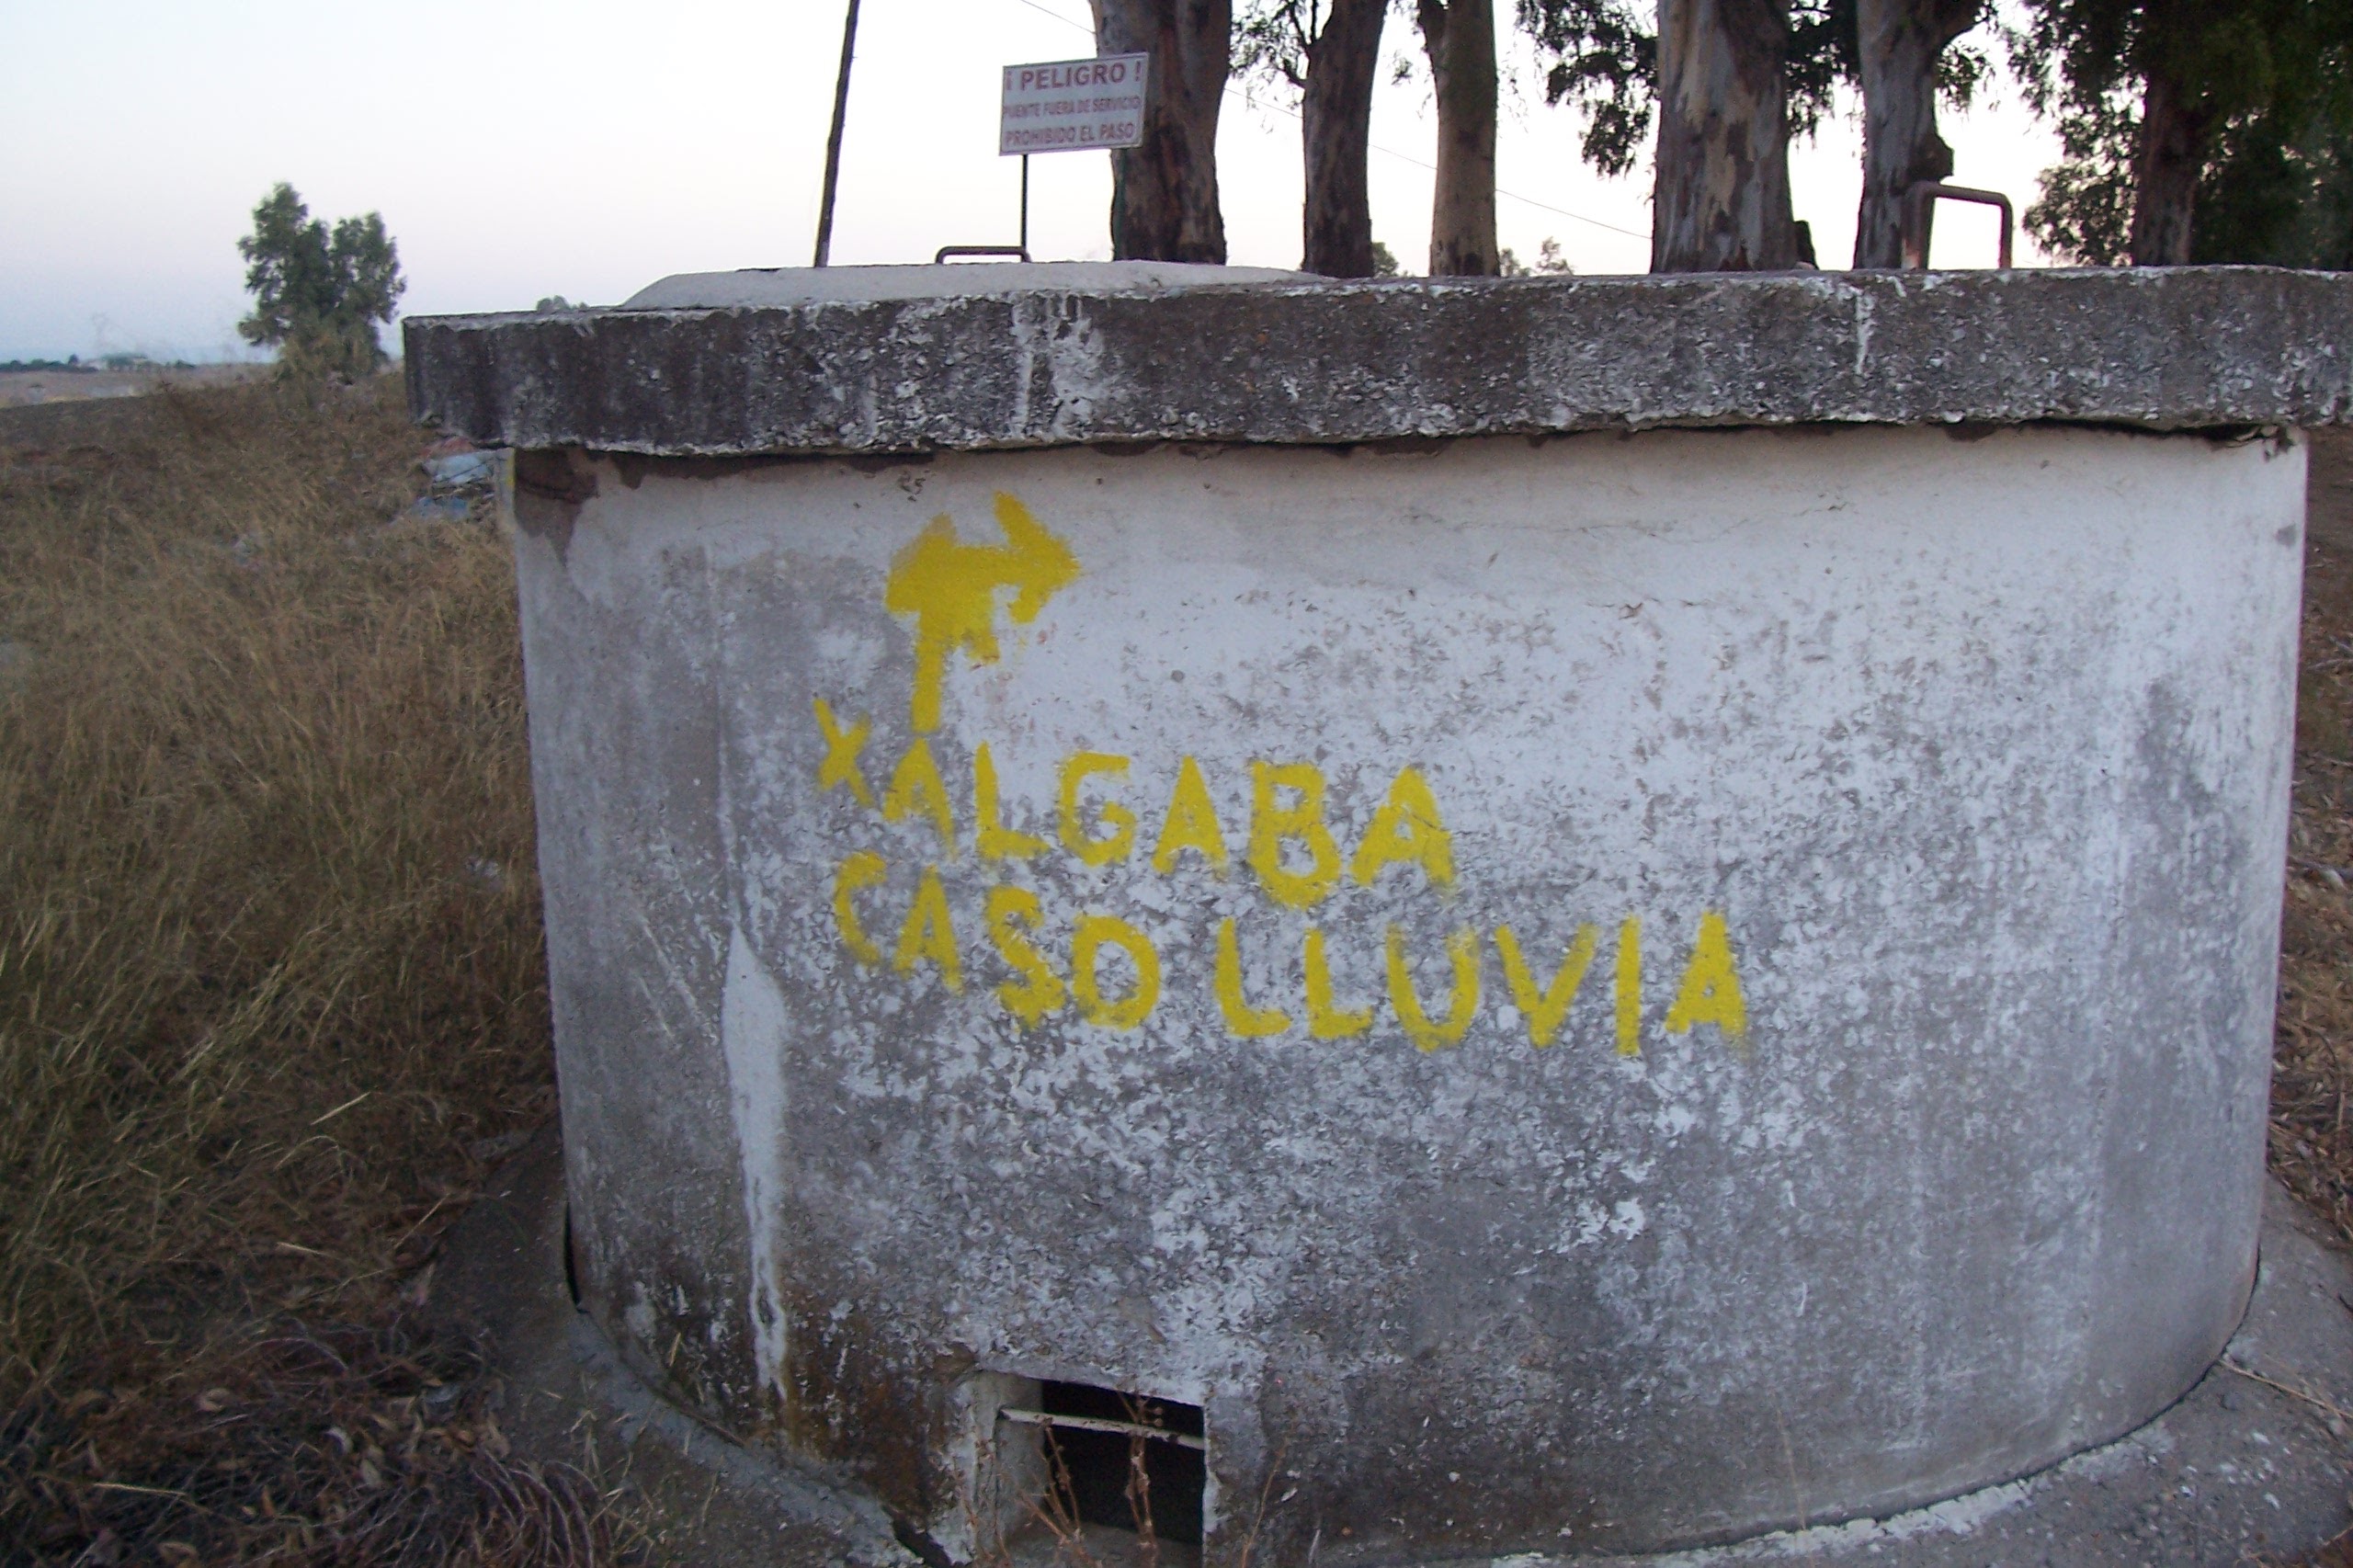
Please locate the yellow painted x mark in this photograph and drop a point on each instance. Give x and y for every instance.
(842, 746)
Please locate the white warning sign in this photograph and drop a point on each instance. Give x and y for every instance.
(1068, 105)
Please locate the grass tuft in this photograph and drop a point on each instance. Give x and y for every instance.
(271, 982)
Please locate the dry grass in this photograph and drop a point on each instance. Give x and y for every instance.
(271, 989)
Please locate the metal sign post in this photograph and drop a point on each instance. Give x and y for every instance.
(1064, 105)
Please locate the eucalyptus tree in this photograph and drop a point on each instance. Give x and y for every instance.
(1329, 52)
(1460, 38)
(1720, 200)
(1163, 192)
(1905, 60)
(1727, 83)
(1721, 146)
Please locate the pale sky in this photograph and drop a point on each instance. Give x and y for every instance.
(523, 148)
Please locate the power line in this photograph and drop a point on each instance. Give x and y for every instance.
(1390, 152)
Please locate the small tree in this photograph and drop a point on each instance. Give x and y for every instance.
(318, 293)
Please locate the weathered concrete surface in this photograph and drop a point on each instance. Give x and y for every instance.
(1324, 362)
(1964, 759)
(2237, 1467)
(566, 1397)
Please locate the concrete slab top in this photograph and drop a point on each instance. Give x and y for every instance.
(907, 360)
(765, 286)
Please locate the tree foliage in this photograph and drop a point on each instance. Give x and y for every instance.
(2279, 192)
(1604, 59)
(2264, 88)
(319, 293)
(2084, 212)
(1271, 38)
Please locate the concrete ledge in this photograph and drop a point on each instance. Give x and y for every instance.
(1088, 359)
(2239, 1468)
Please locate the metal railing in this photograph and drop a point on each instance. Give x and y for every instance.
(1919, 203)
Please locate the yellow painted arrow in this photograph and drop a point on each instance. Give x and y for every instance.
(950, 588)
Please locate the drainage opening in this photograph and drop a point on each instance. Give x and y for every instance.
(1121, 1461)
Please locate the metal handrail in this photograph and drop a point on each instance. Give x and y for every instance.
(1917, 202)
(947, 251)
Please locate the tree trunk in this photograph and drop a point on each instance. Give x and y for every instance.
(1336, 116)
(1461, 37)
(2165, 167)
(1901, 41)
(1163, 193)
(1721, 202)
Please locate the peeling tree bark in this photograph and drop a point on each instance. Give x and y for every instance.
(1902, 41)
(1461, 37)
(2165, 167)
(1163, 193)
(1336, 112)
(1722, 202)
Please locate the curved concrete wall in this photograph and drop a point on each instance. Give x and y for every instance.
(1768, 1020)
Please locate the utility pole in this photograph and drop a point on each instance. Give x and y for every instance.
(833, 138)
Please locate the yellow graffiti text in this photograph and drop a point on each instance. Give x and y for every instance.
(1088, 938)
(950, 588)
(1274, 823)
(1628, 992)
(1191, 822)
(1711, 990)
(1545, 1008)
(1076, 831)
(1461, 1006)
(1242, 1020)
(991, 836)
(1036, 989)
(916, 788)
(842, 746)
(858, 870)
(1325, 1020)
(1407, 829)
(928, 935)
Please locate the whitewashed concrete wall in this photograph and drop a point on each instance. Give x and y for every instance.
(1917, 800)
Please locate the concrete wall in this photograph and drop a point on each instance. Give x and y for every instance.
(1917, 803)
